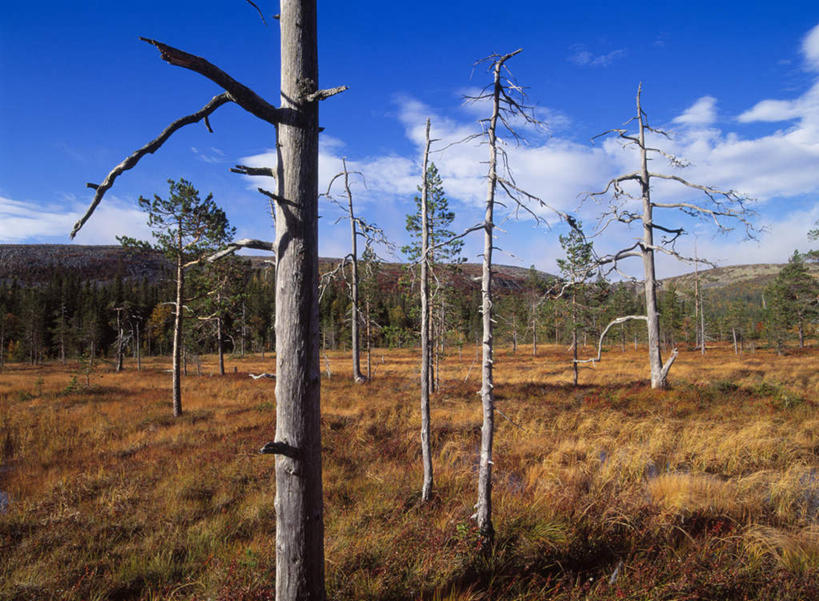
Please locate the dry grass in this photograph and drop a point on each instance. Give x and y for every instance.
(708, 490)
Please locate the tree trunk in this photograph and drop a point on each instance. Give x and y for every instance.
(484, 505)
(299, 506)
(658, 377)
(734, 335)
(242, 332)
(574, 335)
(119, 340)
(357, 376)
(62, 334)
(220, 344)
(177, 337)
(534, 332)
(426, 453)
(369, 341)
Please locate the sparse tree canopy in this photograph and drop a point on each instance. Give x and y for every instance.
(723, 208)
(185, 228)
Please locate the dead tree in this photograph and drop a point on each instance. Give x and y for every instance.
(508, 104)
(299, 508)
(719, 206)
(426, 355)
(371, 235)
(120, 337)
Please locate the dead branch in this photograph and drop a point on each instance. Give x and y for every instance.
(264, 375)
(241, 94)
(319, 95)
(259, 10)
(149, 148)
(246, 170)
(243, 243)
(623, 319)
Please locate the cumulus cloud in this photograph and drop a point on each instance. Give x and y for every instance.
(702, 112)
(810, 49)
(774, 168)
(22, 221)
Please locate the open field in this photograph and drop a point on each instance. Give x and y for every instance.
(709, 490)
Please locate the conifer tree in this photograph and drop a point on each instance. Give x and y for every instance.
(185, 228)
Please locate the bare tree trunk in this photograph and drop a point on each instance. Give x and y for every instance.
(242, 332)
(734, 335)
(138, 348)
(369, 341)
(514, 335)
(484, 505)
(354, 319)
(426, 356)
(299, 505)
(220, 344)
(177, 333)
(534, 331)
(62, 334)
(658, 374)
(119, 339)
(574, 335)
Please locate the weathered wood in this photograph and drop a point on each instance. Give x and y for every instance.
(149, 148)
(177, 331)
(426, 451)
(299, 506)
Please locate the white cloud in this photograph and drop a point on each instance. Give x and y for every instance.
(810, 49)
(774, 168)
(22, 221)
(583, 57)
(210, 155)
(702, 112)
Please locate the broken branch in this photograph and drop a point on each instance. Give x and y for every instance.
(242, 95)
(149, 148)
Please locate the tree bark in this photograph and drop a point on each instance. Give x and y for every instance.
(647, 252)
(354, 318)
(574, 334)
(119, 340)
(220, 344)
(484, 505)
(426, 453)
(177, 334)
(299, 506)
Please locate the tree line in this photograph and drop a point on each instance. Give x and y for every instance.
(65, 319)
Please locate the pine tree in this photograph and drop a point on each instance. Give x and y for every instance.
(576, 268)
(791, 301)
(440, 219)
(185, 228)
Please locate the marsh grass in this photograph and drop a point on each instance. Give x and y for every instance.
(707, 490)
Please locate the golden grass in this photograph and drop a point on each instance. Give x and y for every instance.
(112, 498)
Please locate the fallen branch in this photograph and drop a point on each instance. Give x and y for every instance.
(264, 375)
(603, 335)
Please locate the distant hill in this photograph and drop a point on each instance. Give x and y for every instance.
(735, 281)
(36, 263)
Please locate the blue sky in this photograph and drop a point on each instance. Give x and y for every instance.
(737, 82)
